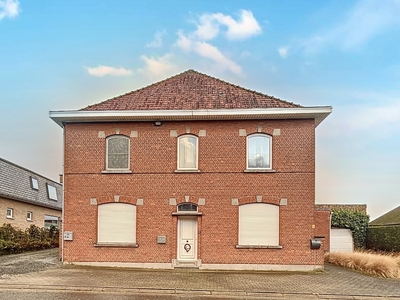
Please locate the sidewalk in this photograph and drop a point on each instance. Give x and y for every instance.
(333, 283)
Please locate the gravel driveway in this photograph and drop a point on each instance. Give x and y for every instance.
(28, 262)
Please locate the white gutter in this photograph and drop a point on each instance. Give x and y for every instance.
(318, 113)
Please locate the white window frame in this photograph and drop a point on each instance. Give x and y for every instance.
(120, 136)
(196, 153)
(10, 213)
(269, 154)
(34, 183)
(51, 218)
(119, 227)
(261, 233)
(51, 192)
(29, 216)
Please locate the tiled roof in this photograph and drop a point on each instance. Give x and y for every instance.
(390, 218)
(15, 184)
(191, 90)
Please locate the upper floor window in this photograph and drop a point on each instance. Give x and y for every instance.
(52, 192)
(29, 216)
(117, 153)
(34, 183)
(259, 151)
(187, 152)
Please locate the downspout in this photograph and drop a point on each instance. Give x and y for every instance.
(63, 190)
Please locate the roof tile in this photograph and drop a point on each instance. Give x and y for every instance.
(191, 90)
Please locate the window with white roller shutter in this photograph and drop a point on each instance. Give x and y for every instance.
(116, 223)
(259, 224)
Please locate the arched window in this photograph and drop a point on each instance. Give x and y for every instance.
(187, 152)
(259, 151)
(117, 153)
(187, 207)
(259, 224)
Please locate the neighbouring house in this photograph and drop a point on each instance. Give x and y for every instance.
(341, 239)
(384, 232)
(391, 218)
(192, 171)
(27, 198)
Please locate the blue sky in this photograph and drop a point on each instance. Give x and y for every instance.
(57, 55)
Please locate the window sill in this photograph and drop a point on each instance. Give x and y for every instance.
(116, 172)
(257, 247)
(10, 218)
(259, 171)
(187, 213)
(117, 245)
(187, 171)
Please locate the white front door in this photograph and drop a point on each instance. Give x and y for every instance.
(187, 238)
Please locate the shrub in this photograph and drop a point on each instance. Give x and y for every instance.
(385, 238)
(357, 222)
(15, 240)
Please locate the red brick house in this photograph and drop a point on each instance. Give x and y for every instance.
(192, 171)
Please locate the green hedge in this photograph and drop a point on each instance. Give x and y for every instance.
(357, 222)
(384, 238)
(14, 240)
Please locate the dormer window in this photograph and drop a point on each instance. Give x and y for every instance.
(34, 184)
(51, 192)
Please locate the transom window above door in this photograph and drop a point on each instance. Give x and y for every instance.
(187, 207)
(187, 152)
(258, 152)
(117, 153)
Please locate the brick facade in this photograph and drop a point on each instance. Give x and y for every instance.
(222, 161)
(20, 210)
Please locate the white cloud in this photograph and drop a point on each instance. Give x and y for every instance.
(247, 25)
(9, 9)
(157, 67)
(365, 21)
(101, 71)
(283, 51)
(209, 26)
(209, 51)
(184, 42)
(157, 40)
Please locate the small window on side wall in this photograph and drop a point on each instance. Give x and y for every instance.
(34, 184)
(10, 213)
(52, 192)
(259, 152)
(117, 153)
(29, 216)
(187, 152)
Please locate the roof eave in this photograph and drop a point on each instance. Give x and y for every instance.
(318, 113)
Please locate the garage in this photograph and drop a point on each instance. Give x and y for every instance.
(341, 240)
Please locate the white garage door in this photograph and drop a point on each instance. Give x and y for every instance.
(341, 240)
